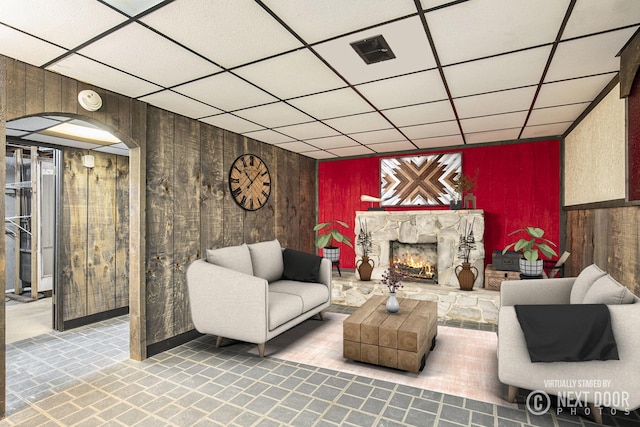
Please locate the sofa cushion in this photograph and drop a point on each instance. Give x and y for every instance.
(583, 282)
(282, 308)
(233, 257)
(607, 290)
(301, 266)
(267, 260)
(311, 294)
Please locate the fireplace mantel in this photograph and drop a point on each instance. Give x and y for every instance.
(423, 226)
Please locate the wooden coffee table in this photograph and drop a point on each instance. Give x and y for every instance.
(398, 340)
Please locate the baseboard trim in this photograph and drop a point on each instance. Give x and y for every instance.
(93, 318)
(169, 343)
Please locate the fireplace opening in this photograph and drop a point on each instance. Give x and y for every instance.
(415, 260)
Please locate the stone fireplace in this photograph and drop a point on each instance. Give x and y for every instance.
(442, 228)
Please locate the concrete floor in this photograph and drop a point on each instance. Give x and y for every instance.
(28, 320)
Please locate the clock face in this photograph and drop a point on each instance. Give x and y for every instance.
(250, 182)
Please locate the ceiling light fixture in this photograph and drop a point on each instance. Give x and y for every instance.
(373, 49)
(89, 100)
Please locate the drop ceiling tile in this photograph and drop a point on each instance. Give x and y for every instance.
(315, 21)
(339, 141)
(180, 104)
(351, 151)
(225, 91)
(145, 54)
(565, 113)
(308, 130)
(431, 130)
(496, 122)
(492, 136)
(501, 72)
(232, 123)
(378, 136)
(407, 40)
(549, 130)
(64, 142)
(319, 155)
(388, 147)
(359, 123)
(589, 55)
(274, 115)
(133, 7)
(294, 74)
(31, 124)
(428, 4)
(229, 33)
(118, 149)
(495, 102)
(89, 71)
(493, 26)
(13, 132)
(67, 23)
(406, 90)
(572, 91)
(268, 136)
(420, 114)
(26, 48)
(337, 103)
(592, 16)
(297, 147)
(440, 141)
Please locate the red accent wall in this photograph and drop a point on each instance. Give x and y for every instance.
(633, 114)
(518, 185)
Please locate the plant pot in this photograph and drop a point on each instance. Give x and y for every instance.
(365, 268)
(331, 252)
(392, 303)
(531, 269)
(466, 277)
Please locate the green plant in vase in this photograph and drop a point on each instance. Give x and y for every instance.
(329, 236)
(531, 246)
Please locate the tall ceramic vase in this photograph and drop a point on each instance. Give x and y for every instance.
(365, 267)
(393, 306)
(465, 276)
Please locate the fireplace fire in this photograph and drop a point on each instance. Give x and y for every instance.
(417, 260)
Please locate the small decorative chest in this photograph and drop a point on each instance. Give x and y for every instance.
(493, 278)
(509, 261)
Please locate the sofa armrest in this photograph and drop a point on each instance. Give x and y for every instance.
(228, 303)
(536, 291)
(325, 273)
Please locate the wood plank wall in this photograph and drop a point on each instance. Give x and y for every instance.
(94, 244)
(190, 208)
(608, 237)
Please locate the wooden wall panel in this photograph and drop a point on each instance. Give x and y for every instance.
(101, 242)
(287, 199)
(73, 245)
(186, 215)
(212, 189)
(607, 237)
(232, 215)
(52, 89)
(307, 204)
(34, 90)
(258, 225)
(16, 89)
(122, 232)
(160, 204)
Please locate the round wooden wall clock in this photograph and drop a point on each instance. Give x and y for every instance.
(250, 182)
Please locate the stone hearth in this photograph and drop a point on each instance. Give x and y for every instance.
(428, 226)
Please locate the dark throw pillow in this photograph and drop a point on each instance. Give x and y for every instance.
(301, 266)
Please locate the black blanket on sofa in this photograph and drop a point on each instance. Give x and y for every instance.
(567, 332)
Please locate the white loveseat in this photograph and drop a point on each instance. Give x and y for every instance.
(255, 292)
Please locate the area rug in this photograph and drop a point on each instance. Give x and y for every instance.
(464, 362)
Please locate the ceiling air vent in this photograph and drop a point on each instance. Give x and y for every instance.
(374, 49)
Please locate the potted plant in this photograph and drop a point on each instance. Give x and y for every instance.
(328, 236)
(364, 265)
(467, 243)
(531, 246)
(463, 184)
(391, 279)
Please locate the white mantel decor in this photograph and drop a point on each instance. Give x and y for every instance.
(424, 226)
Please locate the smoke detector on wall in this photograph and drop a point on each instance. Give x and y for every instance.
(89, 100)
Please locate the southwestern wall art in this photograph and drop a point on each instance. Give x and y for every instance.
(419, 180)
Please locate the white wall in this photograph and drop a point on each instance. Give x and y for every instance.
(594, 162)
